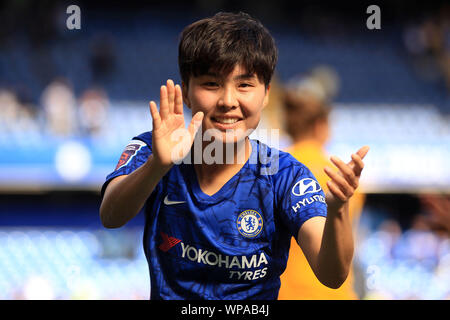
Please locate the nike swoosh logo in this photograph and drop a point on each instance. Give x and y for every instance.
(168, 202)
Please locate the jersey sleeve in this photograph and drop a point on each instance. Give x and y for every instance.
(133, 156)
(299, 195)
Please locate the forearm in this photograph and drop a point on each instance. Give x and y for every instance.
(123, 200)
(336, 250)
(331, 259)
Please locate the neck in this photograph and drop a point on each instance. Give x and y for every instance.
(222, 159)
(311, 138)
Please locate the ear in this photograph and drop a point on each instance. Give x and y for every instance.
(266, 97)
(184, 90)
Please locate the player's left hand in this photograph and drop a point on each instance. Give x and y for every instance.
(344, 182)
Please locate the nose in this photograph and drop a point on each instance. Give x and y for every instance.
(228, 98)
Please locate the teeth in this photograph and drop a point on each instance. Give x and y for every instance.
(226, 120)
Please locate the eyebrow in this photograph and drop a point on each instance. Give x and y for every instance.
(244, 76)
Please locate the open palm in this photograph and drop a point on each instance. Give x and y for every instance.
(171, 141)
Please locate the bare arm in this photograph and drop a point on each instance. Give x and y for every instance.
(126, 195)
(328, 247)
(328, 243)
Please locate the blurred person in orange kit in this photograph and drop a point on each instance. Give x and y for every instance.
(306, 104)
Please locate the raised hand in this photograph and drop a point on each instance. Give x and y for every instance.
(171, 141)
(344, 182)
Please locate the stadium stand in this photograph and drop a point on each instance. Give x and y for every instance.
(383, 101)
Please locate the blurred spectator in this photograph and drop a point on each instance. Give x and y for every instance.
(429, 44)
(307, 104)
(9, 109)
(15, 116)
(413, 263)
(59, 101)
(438, 208)
(103, 57)
(93, 109)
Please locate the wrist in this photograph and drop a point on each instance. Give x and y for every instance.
(156, 165)
(338, 209)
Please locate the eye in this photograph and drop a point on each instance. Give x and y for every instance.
(210, 84)
(245, 85)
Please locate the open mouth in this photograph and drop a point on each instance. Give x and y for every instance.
(225, 121)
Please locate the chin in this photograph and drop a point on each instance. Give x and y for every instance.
(226, 136)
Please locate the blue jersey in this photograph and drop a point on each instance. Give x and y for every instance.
(233, 244)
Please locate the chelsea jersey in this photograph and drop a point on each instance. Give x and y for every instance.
(233, 244)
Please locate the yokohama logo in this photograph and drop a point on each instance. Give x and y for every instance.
(238, 264)
(168, 242)
(211, 258)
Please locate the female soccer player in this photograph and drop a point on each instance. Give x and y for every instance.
(221, 209)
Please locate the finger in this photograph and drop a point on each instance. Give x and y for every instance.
(171, 95)
(178, 109)
(343, 185)
(155, 115)
(346, 170)
(163, 103)
(195, 124)
(334, 189)
(357, 164)
(363, 151)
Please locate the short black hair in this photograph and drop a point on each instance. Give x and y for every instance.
(217, 44)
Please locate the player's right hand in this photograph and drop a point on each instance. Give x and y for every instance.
(171, 141)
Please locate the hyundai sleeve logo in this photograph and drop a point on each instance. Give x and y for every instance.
(305, 186)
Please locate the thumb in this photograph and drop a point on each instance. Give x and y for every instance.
(195, 124)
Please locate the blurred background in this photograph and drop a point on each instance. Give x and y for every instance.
(70, 100)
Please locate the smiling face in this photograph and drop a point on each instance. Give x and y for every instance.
(232, 104)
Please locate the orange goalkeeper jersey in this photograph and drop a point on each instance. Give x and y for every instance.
(298, 282)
